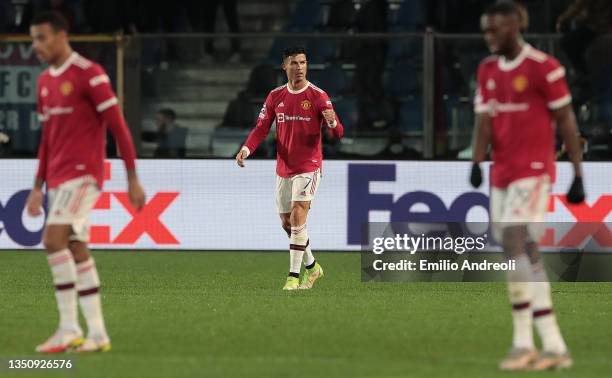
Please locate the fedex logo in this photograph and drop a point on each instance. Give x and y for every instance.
(145, 222)
(12, 217)
(361, 202)
(590, 223)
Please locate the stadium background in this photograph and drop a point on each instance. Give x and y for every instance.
(401, 74)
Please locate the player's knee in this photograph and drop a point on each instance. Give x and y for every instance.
(53, 243)
(297, 217)
(79, 251)
(287, 228)
(298, 213)
(533, 252)
(286, 223)
(513, 241)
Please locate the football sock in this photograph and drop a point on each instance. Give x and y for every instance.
(64, 275)
(520, 291)
(297, 246)
(309, 259)
(543, 315)
(88, 286)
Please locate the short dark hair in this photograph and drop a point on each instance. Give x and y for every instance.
(57, 21)
(293, 50)
(505, 8)
(167, 112)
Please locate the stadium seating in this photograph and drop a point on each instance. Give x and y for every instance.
(409, 17)
(321, 51)
(331, 79)
(306, 16)
(263, 78)
(347, 111)
(341, 16)
(404, 49)
(241, 112)
(375, 114)
(402, 81)
(410, 115)
(275, 55)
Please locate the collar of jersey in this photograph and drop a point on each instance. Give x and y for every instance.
(509, 65)
(299, 91)
(60, 70)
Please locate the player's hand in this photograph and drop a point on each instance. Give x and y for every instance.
(240, 157)
(137, 194)
(575, 194)
(476, 175)
(34, 202)
(330, 116)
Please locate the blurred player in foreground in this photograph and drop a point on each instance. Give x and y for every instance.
(75, 105)
(521, 92)
(299, 109)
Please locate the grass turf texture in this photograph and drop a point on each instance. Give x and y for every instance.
(212, 314)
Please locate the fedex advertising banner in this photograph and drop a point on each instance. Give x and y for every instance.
(214, 205)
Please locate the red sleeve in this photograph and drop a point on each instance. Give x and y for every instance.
(483, 95)
(103, 98)
(326, 104)
(42, 146)
(42, 156)
(262, 128)
(554, 85)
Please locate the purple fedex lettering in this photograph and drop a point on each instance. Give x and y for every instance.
(11, 216)
(361, 201)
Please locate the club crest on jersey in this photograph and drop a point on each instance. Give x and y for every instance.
(66, 88)
(305, 104)
(490, 84)
(520, 83)
(44, 92)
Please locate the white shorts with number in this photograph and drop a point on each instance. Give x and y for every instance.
(71, 202)
(523, 202)
(302, 187)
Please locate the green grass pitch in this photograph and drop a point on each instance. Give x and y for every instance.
(213, 314)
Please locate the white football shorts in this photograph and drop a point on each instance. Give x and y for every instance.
(523, 202)
(302, 187)
(71, 202)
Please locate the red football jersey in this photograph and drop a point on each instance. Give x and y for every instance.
(298, 116)
(519, 95)
(75, 105)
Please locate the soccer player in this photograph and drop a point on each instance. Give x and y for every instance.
(522, 93)
(75, 105)
(299, 109)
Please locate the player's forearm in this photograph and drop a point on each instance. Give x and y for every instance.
(131, 175)
(482, 138)
(570, 135)
(38, 183)
(338, 130)
(259, 133)
(122, 135)
(41, 173)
